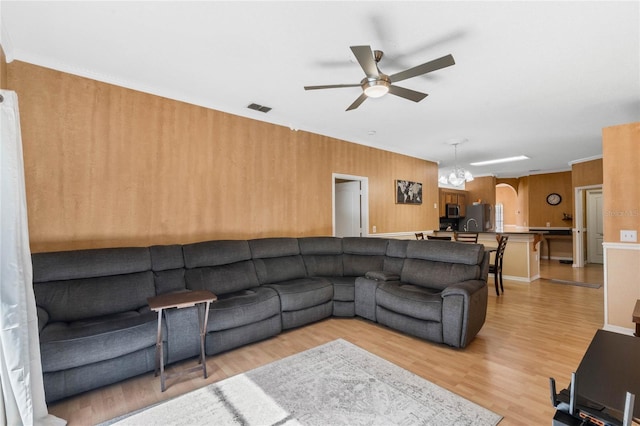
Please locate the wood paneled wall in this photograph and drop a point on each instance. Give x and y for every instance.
(587, 173)
(482, 188)
(621, 171)
(541, 213)
(108, 166)
(621, 164)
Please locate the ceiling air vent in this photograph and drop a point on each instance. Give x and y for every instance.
(260, 108)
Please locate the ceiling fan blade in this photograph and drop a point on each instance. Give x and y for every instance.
(357, 102)
(436, 64)
(331, 86)
(364, 55)
(412, 95)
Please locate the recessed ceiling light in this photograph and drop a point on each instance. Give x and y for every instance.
(500, 160)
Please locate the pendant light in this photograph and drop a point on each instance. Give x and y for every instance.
(458, 176)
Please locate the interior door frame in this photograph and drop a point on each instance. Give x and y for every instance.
(580, 193)
(364, 201)
(590, 222)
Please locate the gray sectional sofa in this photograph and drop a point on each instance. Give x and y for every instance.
(96, 327)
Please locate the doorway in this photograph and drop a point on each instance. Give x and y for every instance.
(595, 231)
(588, 209)
(350, 206)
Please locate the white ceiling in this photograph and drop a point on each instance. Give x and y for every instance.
(535, 78)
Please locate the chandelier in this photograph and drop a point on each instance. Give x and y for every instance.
(458, 175)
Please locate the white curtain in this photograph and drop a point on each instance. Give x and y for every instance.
(22, 392)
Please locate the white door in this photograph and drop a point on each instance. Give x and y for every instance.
(595, 230)
(348, 209)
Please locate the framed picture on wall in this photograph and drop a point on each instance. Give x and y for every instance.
(408, 192)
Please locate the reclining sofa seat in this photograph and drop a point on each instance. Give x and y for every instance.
(440, 294)
(245, 311)
(95, 325)
(279, 266)
(323, 258)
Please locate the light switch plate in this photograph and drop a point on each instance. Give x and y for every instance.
(628, 235)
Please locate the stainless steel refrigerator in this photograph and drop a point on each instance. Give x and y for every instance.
(478, 218)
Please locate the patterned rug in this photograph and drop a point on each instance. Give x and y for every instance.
(334, 384)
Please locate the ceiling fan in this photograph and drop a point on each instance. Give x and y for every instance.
(376, 84)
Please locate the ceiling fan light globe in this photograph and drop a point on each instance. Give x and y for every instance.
(376, 87)
(376, 90)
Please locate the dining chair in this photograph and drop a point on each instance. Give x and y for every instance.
(419, 236)
(436, 237)
(496, 267)
(466, 237)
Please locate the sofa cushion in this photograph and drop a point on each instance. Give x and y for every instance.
(167, 263)
(320, 245)
(343, 288)
(365, 246)
(65, 345)
(214, 253)
(410, 300)
(303, 293)
(279, 269)
(446, 251)
(362, 255)
(437, 275)
(322, 256)
(78, 299)
(223, 279)
(277, 259)
(263, 248)
(219, 266)
(76, 264)
(242, 308)
(164, 258)
(395, 255)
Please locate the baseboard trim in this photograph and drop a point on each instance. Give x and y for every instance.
(618, 329)
(521, 279)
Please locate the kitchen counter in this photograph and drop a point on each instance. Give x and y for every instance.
(521, 256)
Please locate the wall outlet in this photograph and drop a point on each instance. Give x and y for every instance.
(374, 229)
(435, 205)
(628, 235)
(548, 224)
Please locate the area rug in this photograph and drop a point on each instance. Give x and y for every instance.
(576, 283)
(334, 384)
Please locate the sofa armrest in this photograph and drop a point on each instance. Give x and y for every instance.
(43, 318)
(464, 310)
(382, 276)
(464, 288)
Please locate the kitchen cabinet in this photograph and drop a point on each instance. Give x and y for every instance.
(452, 196)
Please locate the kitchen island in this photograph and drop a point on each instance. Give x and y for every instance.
(521, 257)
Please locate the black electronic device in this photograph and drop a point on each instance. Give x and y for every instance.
(571, 409)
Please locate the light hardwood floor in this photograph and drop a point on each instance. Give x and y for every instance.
(533, 332)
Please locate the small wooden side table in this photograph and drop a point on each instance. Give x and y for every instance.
(201, 298)
(636, 317)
